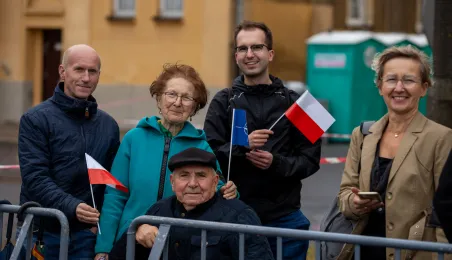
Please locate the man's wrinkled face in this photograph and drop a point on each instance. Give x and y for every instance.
(194, 184)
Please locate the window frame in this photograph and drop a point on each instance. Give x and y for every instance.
(362, 13)
(166, 13)
(121, 13)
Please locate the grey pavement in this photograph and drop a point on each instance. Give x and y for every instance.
(8, 133)
(320, 189)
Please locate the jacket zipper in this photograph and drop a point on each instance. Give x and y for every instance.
(261, 102)
(83, 132)
(83, 138)
(86, 150)
(163, 168)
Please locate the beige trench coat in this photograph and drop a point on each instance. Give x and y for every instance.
(412, 182)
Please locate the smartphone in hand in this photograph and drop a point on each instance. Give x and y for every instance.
(371, 195)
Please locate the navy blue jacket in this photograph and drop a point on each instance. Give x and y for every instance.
(53, 139)
(185, 242)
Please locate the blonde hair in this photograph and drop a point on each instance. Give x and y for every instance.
(409, 52)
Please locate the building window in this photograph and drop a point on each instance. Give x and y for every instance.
(172, 9)
(356, 13)
(124, 8)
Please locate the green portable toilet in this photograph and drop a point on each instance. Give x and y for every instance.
(391, 39)
(400, 39)
(339, 71)
(421, 42)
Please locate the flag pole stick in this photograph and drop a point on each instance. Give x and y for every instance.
(94, 204)
(276, 121)
(230, 146)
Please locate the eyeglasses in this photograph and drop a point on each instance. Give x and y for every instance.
(173, 96)
(406, 82)
(256, 48)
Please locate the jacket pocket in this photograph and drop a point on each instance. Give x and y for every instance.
(417, 233)
(417, 230)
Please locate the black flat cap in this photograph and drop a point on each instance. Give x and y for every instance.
(192, 156)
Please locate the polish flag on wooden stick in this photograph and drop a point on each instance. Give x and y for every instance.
(310, 117)
(98, 175)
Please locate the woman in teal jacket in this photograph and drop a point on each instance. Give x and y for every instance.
(141, 161)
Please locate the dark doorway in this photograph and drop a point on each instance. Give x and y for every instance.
(51, 61)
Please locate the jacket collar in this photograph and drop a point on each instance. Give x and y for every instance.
(188, 131)
(178, 208)
(371, 141)
(416, 125)
(277, 84)
(74, 107)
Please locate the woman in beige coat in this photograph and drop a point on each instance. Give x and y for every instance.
(401, 159)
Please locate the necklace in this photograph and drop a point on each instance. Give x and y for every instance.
(397, 134)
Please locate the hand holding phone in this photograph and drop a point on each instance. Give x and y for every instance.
(365, 202)
(371, 195)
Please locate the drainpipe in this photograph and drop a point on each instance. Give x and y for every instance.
(239, 16)
(239, 6)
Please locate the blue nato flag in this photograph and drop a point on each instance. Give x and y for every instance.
(239, 128)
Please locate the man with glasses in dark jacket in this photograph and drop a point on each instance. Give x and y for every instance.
(53, 139)
(268, 173)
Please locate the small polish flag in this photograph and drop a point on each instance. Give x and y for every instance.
(310, 117)
(98, 175)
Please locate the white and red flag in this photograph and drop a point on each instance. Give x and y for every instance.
(310, 117)
(99, 175)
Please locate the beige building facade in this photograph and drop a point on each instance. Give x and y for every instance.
(135, 38)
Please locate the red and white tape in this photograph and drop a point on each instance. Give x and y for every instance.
(332, 160)
(8, 167)
(324, 160)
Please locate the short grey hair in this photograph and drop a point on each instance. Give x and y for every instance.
(409, 52)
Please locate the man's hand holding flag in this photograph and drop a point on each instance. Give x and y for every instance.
(99, 175)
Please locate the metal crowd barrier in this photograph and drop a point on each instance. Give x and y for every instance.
(161, 242)
(26, 232)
